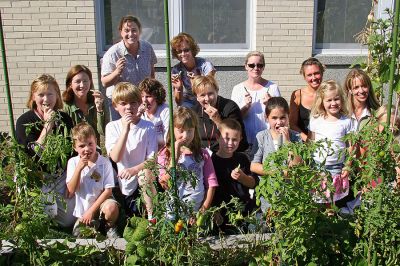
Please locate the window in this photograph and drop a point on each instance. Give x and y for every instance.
(338, 21)
(216, 25)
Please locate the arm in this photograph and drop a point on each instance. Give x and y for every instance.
(48, 117)
(118, 149)
(242, 178)
(257, 168)
(153, 72)
(208, 199)
(88, 215)
(73, 183)
(294, 114)
(113, 77)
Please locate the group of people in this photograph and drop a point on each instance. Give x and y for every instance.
(222, 142)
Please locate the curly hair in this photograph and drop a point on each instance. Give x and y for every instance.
(154, 88)
(184, 37)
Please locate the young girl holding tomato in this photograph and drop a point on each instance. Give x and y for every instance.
(191, 157)
(329, 121)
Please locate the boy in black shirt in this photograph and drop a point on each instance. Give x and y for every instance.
(232, 169)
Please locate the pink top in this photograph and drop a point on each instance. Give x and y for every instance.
(210, 178)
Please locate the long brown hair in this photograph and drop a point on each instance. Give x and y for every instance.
(372, 102)
(185, 118)
(68, 94)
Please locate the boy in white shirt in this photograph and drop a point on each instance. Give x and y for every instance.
(130, 141)
(90, 177)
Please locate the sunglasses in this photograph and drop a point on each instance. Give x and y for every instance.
(186, 50)
(254, 65)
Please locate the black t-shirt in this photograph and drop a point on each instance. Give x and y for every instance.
(30, 118)
(207, 128)
(228, 187)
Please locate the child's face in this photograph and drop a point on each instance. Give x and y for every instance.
(332, 103)
(86, 147)
(229, 140)
(124, 108)
(186, 135)
(45, 99)
(313, 76)
(150, 101)
(359, 91)
(80, 84)
(277, 118)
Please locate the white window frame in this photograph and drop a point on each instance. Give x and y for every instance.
(175, 26)
(363, 50)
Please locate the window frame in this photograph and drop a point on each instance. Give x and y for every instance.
(175, 26)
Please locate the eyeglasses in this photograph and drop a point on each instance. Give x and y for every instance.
(254, 65)
(186, 50)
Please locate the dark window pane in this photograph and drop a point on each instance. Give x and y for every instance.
(215, 21)
(338, 21)
(149, 12)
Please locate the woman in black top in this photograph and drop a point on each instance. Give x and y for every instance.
(302, 99)
(32, 130)
(212, 109)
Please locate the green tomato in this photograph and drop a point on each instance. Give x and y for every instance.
(200, 220)
(381, 153)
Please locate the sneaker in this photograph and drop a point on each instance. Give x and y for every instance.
(112, 232)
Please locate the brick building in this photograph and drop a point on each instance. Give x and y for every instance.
(50, 36)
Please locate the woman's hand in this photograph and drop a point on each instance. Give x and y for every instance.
(120, 65)
(247, 99)
(98, 100)
(266, 98)
(48, 117)
(176, 81)
(212, 112)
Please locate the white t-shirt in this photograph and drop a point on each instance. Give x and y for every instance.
(254, 121)
(160, 121)
(333, 131)
(92, 183)
(141, 144)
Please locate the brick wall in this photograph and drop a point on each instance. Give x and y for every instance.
(44, 37)
(284, 34)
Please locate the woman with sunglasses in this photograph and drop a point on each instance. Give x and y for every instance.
(253, 94)
(185, 49)
(302, 99)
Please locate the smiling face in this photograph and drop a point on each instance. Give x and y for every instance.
(278, 118)
(332, 103)
(130, 33)
(45, 98)
(229, 141)
(254, 66)
(359, 91)
(80, 84)
(184, 53)
(313, 76)
(207, 96)
(86, 148)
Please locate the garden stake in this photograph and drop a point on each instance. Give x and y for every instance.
(6, 80)
(171, 111)
(389, 105)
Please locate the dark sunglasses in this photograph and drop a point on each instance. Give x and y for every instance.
(186, 50)
(254, 65)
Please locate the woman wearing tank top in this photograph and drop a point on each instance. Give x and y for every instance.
(302, 99)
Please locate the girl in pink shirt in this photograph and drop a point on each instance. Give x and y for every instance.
(191, 158)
